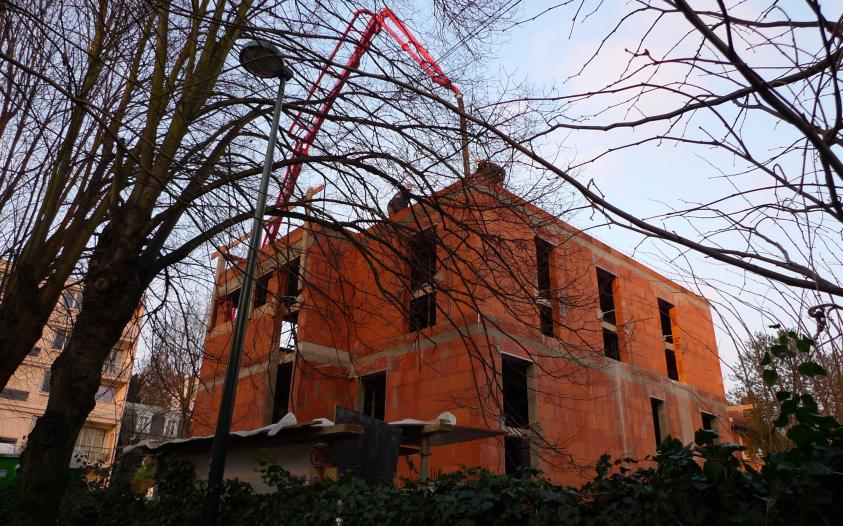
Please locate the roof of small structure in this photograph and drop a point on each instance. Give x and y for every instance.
(439, 431)
(288, 429)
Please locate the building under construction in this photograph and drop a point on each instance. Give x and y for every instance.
(476, 303)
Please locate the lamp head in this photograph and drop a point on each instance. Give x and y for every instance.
(262, 59)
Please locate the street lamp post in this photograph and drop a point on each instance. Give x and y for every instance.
(262, 59)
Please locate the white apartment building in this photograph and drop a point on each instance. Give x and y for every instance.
(24, 399)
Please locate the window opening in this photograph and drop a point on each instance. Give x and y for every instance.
(423, 258)
(14, 394)
(670, 360)
(90, 440)
(374, 395)
(283, 383)
(516, 455)
(516, 406)
(546, 319)
(114, 363)
(292, 276)
(231, 301)
(46, 381)
(708, 421)
(157, 427)
(144, 424)
(287, 343)
(423, 312)
(59, 339)
(659, 419)
(72, 299)
(105, 394)
(611, 346)
(261, 290)
(665, 318)
(606, 293)
(171, 427)
(67, 299)
(543, 250)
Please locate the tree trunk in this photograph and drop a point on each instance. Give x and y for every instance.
(114, 287)
(24, 311)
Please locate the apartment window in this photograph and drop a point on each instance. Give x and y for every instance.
(105, 394)
(157, 427)
(543, 250)
(144, 424)
(283, 383)
(46, 381)
(516, 455)
(374, 395)
(546, 319)
(423, 258)
(670, 361)
(114, 363)
(35, 351)
(606, 294)
(261, 290)
(659, 420)
(516, 399)
(67, 299)
(611, 345)
(14, 394)
(59, 339)
(90, 440)
(72, 299)
(423, 312)
(171, 427)
(665, 318)
(292, 276)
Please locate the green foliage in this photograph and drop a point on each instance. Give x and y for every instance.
(699, 484)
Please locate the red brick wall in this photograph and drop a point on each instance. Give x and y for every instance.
(352, 324)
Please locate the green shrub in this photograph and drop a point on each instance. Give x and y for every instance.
(697, 484)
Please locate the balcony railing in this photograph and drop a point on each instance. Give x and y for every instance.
(113, 369)
(81, 454)
(91, 454)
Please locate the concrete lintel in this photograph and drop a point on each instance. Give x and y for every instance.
(324, 354)
(245, 372)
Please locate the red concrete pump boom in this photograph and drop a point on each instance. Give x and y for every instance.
(305, 128)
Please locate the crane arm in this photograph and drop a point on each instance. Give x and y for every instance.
(304, 128)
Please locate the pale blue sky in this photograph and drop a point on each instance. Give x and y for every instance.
(647, 179)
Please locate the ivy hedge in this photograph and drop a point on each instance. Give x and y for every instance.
(683, 484)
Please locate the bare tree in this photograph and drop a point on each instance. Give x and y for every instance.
(63, 106)
(160, 134)
(751, 388)
(175, 336)
(724, 78)
(156, 157)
